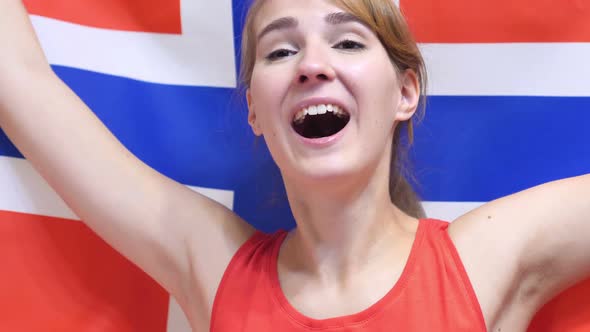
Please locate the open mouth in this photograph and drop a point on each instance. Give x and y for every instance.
(320, 121)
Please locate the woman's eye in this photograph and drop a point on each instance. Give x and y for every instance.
(278, 54)
(349, 45)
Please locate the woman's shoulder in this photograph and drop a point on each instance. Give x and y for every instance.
(260, 245)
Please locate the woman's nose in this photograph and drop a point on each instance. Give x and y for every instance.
(314, 67)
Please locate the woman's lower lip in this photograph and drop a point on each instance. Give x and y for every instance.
(321, 142)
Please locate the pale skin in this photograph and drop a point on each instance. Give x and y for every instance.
(351, 243)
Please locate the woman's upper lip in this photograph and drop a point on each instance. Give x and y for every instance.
(316, 101)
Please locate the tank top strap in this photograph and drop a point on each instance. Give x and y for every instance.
(441, 254)
(435, 225)
(245, 273)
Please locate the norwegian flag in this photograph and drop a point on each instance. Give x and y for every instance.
(508, 109)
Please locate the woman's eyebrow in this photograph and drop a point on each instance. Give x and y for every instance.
(342, 18)
(290, 22)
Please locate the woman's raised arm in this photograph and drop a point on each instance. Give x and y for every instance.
(534, 244)
(155, 222)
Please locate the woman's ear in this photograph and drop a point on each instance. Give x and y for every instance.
(409, 96)
(252, 115)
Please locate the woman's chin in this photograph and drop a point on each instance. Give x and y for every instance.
(318, 174)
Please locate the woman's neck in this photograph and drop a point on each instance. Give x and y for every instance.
(343, 228)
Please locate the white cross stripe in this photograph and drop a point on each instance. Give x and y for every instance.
(203, 55)
(508, 69)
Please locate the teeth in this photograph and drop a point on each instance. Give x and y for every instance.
(318, 109)
(339, 112)
(312, 110)
(300, 116)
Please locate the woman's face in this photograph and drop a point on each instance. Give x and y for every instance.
(312, 57)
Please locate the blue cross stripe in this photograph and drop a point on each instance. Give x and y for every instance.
(466, 149)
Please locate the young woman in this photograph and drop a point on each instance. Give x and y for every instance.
(330, 83)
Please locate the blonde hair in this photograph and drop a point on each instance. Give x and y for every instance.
(389, 25)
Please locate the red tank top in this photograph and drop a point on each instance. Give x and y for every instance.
(433, 292)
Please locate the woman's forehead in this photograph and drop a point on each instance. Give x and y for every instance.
(271, 10)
